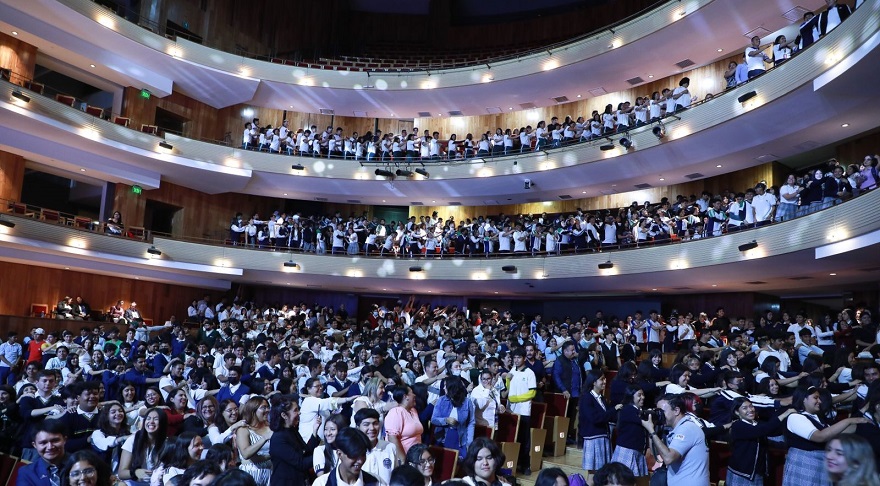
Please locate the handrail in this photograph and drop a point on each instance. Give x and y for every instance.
(169, 32)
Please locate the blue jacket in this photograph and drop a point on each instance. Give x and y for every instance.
(454, 437)
(593, 420)
(36, 473)
(225, 393)
(567, 379)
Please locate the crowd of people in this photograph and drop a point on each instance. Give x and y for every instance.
(310, 395)
(684, 218)
(431, 146)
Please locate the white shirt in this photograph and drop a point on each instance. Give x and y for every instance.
(380, 461)
(310, 409)
(486, 404)
(763, 205)
(520, 383)
(754, 63)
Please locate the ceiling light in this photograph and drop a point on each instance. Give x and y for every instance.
(423, 173)
(404, 173)
(91, 65)
(832, 274)
(384, 173)
(579, 96)
(654, 290)
(297, 167)
(650, 76)
(8, 224)
(747, 96)
(714, 285)
(720, 50)
(152, 250)
(82, 170)
(748, 246)
(626, 143)
(290, 264)
(606, 147)
(165, 145)
(509, 268)
(606, 265)
(14, 33)
(285, 194)
(719, 166)
(662, 179)
(21, 96)
(415, 269)
(844, 125)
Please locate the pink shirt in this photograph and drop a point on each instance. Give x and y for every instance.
(404, 425)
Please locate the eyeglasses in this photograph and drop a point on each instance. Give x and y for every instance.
(427, 462)
(88, 472)
(264, 407)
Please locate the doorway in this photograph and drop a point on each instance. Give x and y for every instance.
(170, 122)
(161, 218)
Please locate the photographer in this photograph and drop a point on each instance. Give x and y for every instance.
(684, 451)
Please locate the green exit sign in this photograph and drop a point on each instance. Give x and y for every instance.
(145, 94)
(136, 189)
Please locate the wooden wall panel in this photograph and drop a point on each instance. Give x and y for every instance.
(27, 284)
(203, 121)
(17, 56)
(854, 151)
(202, 215)
(11, 176)
(738, 181)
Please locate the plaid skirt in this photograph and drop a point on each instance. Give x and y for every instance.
(735, 480)
(805, 467)
(632, 459)
(597, 453)
(785, 211)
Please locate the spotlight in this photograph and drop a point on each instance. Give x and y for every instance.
(165, 145)
(423, 173)
(152, 250)
(747, 96)
(290, 264)
(297, 167)
(404, 173)
(659, 131)
(8, 224)
(21, 96)
(606, 147)
(515, 162)
(415, 269)
(748, 246)
(509, 268)
(626, 143)
(384, 173)
(606, 265)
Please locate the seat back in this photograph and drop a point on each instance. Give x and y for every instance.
(508, 427)
(482, 431)
(39, 310)
(557, 404)
(7, 464)
(121, 120)
(446, 462)
(65, 99)
(719, 456)
(50, 215)
(137, 232)
(35, 87)
(95, 111)
(14, 476)
(539, 411)
(151, 129)
(82, 223)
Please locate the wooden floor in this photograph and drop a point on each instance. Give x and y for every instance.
(570, 463)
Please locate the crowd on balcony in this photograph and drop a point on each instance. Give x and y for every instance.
(298, 394)
(684, 218)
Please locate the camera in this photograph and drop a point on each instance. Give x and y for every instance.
(655, 415)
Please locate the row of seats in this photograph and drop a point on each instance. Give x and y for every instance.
(78, 222)
(9, 466)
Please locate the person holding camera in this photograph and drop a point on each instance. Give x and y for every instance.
(684, 450)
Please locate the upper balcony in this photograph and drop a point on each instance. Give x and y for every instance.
(803, 101)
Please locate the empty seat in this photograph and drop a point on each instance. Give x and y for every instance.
(151, 129)
(65, 99)
(95, 111)
(121, 120)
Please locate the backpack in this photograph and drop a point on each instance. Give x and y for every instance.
(577, 480)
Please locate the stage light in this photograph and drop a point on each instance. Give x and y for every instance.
(626, 143)
(509, 268)
(290, 264)
(404, 173)
(297, 167)
(384, 173)
(747, 96)
(423, 173)
(165, 145)
(154, 251)
(748, 246)
(606, 265)
(21, 96)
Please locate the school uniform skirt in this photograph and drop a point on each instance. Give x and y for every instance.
(597, 453)
(632, 459)
(805, 467)
(736, 480)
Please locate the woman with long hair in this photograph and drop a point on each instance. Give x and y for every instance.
(807, 434)
(253, 441)
(454, 430)
(112, 432)
(178, 410)
(205, 414)
(140, 452)
(421, 458)
(324, 458)
(291, 461)
(850, 461)
(593, 418)
(371, 397)
(632, 438)
(482, 463)
(84, 468)
(226, 421)
(131, 405)
(179, 453)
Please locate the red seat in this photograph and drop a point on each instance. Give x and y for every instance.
(7, 465)
(14, 476)
(719, 456)
(121, 120)
(40, 310)
(508, 427)
(446, 462)
(65, 99)
(482, 431)
(557, 404)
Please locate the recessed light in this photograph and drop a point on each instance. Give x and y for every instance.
(719, 166)
(496, 292)
(510, 108)
(383, 200)
(433, 201)
(137, 278)
(91, 65)
(579, 96)
(613, 185)
(285, 193)
(82, 170)
(384, 289)
(714, 285)
(67, 268)
(682, 13)
(291, 106)
(584, 192)
(14, 33)
(653, 290)
(720, 50)
(832, 274)
(662, 179)
(844, 125)
(650, 75)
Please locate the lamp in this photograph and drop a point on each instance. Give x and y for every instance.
(415, 269)
(297, 167)
(748, 246)
(8, 224)
(606, 147)
(747, 96)
(423, 173)
(509, 268)
(626, 143)
(404, 173)
(384, 173)
(290, 264)
(165, 145)
(152, 250)
(606, 265)
(21, 96)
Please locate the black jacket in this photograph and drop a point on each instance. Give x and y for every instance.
(291, 458)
